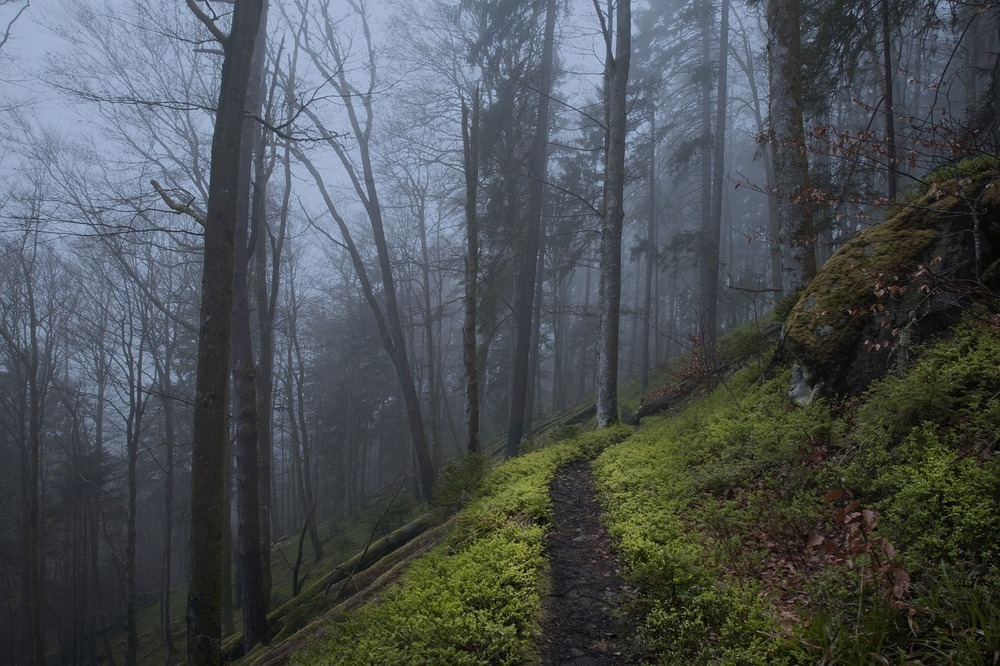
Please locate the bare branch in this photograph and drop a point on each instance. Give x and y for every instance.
(10, 26)
(188, 208)
(207, 21)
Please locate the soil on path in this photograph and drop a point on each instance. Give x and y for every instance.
(582, 619)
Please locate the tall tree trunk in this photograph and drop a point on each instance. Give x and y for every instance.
(745, 62)
(251, 549)
(419, 196)
(208, 462)
(32, 540)
(228, 612)
(248, 536)
(708, 252)
(584, 377)
(359, 107)
(890, 113)
(133, 428)
(616, 66)
(709, 281)
(558, 344)
(166, 389)
(533, 403)
(265, 299)
(787, 140)
(651, 255)
(299, 431)
(470, 152)
(523, 308)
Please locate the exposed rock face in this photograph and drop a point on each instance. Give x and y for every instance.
(897, 283)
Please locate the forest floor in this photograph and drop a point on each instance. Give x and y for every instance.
(582, 624)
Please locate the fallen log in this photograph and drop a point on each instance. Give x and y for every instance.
(314, 600)
(356, 590)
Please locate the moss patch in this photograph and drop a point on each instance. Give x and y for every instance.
(902, 276)
(475, 600)
(845, 532)
(679, 496)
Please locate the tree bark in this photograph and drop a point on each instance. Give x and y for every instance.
(164, 368)
(710, 267)
(890, 113)
(208, 463)
(787, 141)
(708, 251)
(651, 255)
(470, 154)
(252, 544)
(613, 210)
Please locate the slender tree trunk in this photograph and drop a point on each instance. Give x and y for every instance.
(651, 255)
(134, 426)
(33, 551)
(523, 308)
(208, 463)
(890, 111)
(251, 549)
(470, 142)
(248, 535)
(584, 378)
(613, 218)
(419, 195)
(300, 433)
(787, 140)
(708, 252)
(166, 388)
(265, 299)
(360, 115)
(745, 62)
(709, 281)
(533, 404)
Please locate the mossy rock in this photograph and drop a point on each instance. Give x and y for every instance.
(896, 284)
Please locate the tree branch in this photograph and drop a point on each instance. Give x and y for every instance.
(10, 26)
(188, 208)
(208, 22)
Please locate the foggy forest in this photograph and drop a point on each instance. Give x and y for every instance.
(269, 270)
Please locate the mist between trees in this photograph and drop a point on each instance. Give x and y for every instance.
(445, 221)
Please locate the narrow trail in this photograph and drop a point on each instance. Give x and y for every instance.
(581, 623)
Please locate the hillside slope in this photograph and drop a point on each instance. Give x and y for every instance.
(857, 531)
(752, 531)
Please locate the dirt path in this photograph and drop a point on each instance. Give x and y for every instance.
(581, 624)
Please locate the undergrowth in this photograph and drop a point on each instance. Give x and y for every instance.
(475, 599)
(679, 496)
(861, 531)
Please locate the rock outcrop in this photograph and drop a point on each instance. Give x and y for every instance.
(897, 283)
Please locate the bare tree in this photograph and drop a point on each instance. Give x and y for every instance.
(35, 308)
(208, 466)
(329, 56)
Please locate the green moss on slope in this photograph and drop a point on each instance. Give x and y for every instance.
(851, 532)
(475, 600)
